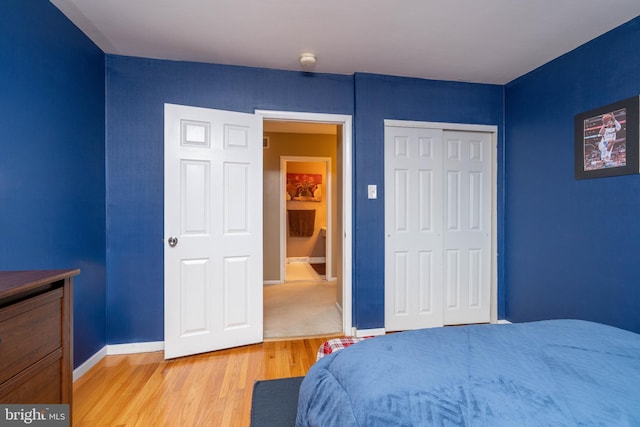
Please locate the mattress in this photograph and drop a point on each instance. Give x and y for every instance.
(547, 373)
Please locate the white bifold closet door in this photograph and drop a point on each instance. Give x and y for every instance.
(438, 194)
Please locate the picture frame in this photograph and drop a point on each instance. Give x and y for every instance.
(606, 140)
(304, 187)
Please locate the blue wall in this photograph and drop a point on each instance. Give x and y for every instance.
(383, 97)
(52, 184)
(566, 247)
(572, 246)
(136, 92)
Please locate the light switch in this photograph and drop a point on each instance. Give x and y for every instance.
(372, 191)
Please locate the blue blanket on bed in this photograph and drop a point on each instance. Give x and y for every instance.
(547, 373)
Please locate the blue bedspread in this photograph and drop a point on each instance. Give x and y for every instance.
(547, 373)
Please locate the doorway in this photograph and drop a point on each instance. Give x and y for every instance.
(213, 189)
(303, 134)
(306, 217)
(306, 303)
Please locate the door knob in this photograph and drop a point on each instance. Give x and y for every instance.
(172, 241)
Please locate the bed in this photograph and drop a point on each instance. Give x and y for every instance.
(546, 373)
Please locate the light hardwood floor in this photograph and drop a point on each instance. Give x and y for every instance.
(212, 389)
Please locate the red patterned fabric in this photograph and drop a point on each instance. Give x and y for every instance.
(336, 344)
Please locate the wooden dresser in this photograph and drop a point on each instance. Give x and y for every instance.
(36, 336)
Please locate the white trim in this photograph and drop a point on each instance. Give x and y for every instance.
(89, 363)
(493, 130)
(347, 195)
(503, 322)
(110, 350)
(271, 282)
(368, 332)
(442, 125)
(295, 259)
(136, 347)
(494, 225)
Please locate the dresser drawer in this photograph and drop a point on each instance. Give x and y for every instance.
(38, 384)
(29, 331)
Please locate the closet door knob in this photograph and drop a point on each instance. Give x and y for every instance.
(172, 241)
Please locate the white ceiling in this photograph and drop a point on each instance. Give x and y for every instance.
(483, 41)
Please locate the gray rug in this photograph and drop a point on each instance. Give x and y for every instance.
(274, 402)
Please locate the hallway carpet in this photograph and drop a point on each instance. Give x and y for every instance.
(299, 309)
(301, 271)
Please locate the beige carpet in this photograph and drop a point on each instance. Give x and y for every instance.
(301, 308)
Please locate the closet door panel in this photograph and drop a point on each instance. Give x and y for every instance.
(413, 228)
(468, 230)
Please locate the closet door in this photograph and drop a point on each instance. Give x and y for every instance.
(467, 227)
(413, 228)
(438, 195)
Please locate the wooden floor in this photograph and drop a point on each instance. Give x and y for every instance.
(211, 389)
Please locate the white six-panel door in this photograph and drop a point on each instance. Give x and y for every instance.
(467, 227)
(438, 227)
(413, 228)
(212, 230)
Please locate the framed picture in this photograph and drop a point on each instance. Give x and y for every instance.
(304, 187)
(606, 140)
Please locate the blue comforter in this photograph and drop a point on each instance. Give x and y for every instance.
(547, 373)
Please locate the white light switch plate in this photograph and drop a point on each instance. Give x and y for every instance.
(372, 190)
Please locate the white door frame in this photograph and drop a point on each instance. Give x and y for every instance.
(327, 194)
(493, 130)
(347, 195)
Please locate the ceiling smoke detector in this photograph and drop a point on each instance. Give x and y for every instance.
(307, 60)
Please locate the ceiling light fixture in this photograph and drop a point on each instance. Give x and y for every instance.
(307, 60)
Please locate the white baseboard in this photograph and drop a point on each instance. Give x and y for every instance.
(89, 363)
(503, 322)
(136, 347)
(109, 350)
(272, 282)
(310, 260)
(368, 332)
